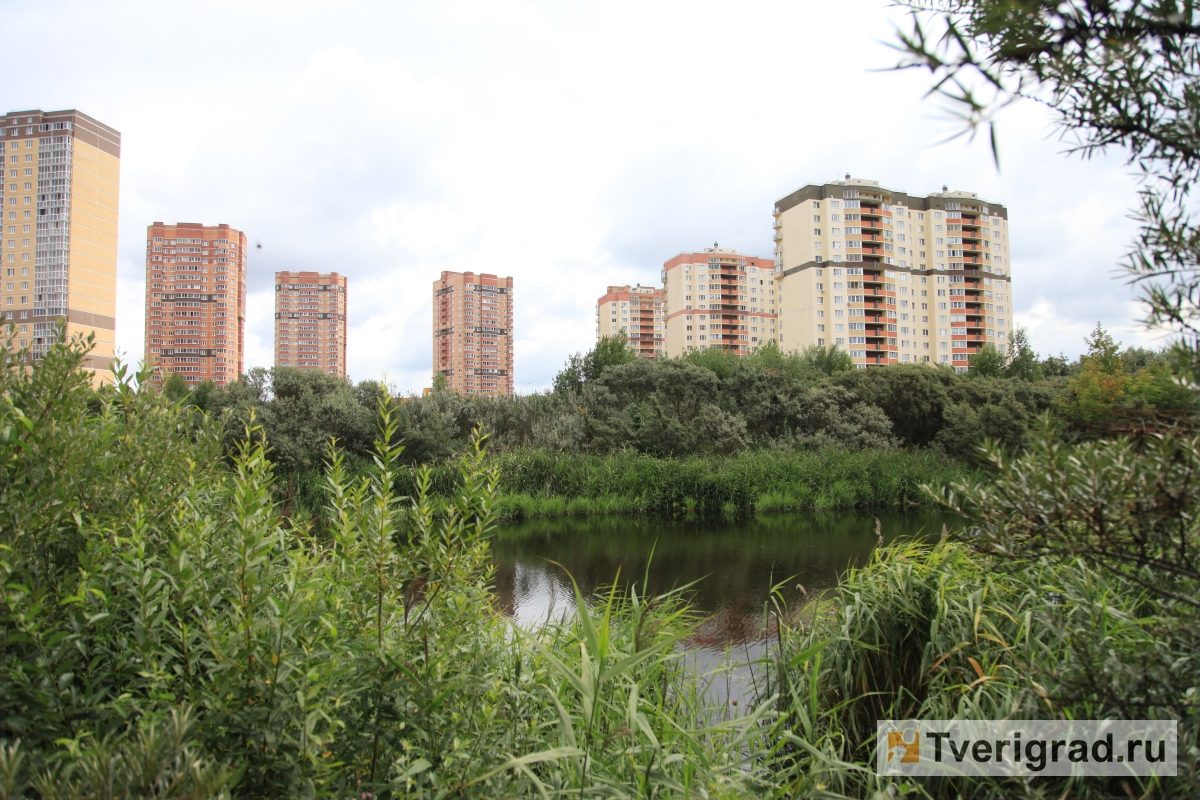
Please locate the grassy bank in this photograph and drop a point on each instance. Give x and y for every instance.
(935, 631)
(547, 484)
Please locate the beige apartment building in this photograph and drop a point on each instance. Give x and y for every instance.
(310, 321)
(718, 298)
(59, 193)
(472, 332)
(637, 313)
(195, 302)
(892, 277)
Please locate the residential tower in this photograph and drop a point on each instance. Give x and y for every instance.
(472, 332)
(310, 321)
(893, 277)
(635, 312)
(60, 200)
(195, 301)
(717, 298)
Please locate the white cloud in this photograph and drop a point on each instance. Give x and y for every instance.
(570, 145)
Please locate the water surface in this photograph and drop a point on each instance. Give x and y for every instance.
(732, 563)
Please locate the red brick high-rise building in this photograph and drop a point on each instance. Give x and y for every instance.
(310, 321)
(195, 301)
(472, 332)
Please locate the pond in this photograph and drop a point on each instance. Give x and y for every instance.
(732, 565)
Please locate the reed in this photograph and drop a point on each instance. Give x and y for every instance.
(934, 631)
(546, 484)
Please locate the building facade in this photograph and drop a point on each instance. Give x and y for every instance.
(892, 277)
(310, 321)
(473, 332)
(195, 301)
(635, 312)
(718, 298)
(61, 178)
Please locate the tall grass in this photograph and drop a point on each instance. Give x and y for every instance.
(546, 484)
(936, 632)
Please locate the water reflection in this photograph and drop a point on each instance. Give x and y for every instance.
(731, 564)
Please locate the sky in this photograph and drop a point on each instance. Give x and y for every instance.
(568, 145)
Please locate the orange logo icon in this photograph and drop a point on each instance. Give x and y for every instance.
(909, 752)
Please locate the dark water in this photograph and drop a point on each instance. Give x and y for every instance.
(733, 564)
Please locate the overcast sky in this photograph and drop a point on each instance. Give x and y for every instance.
(568, 145)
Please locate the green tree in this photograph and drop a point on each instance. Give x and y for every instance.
(912, 396)
(1022, 360)
(439, 382)
(717, 360)
(989, 362)
(828, 361)
(1100, 384)
(580, 368)
(175, 387)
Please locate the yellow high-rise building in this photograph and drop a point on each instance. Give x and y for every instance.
(635, 312)
(719, 299)
(60, 189)
(892, 277)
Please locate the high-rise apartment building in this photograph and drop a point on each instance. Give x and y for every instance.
(61, 178)
(893, 277)
(310, 321)
(472, 332)
(195, 301)
(637, 313)
(719, 299)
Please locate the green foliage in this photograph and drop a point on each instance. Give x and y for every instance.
(829, 361)
(1109, 380)
(988, 363)
(912, 396)
(1072, 596)
(811, 365)
(534, 483)
(165, 632)
(1121, 506)
(1022, 360)
(952, 412)
(175, 387)
(583, 367)
(934, 631)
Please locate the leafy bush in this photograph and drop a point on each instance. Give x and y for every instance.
(165, 632)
